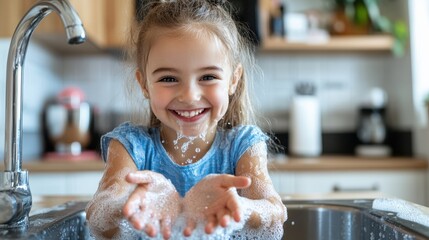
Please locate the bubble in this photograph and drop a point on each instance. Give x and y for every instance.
(197, 150)
(404, 209)
(105, 209)
(111, 206)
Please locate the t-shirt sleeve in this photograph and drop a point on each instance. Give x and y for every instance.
(129, 135)
(246, 136)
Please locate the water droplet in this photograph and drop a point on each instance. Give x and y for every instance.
(197, 150)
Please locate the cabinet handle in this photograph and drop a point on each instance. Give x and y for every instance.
(338, 188)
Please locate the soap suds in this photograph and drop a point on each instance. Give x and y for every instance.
(404, 209)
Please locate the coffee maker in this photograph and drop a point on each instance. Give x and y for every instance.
(371, 128)
(68, 127)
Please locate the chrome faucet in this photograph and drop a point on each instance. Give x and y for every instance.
(15, 194)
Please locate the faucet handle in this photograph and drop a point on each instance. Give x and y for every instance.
(15, 199)
(8, 207)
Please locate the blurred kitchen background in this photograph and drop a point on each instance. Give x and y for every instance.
(305, 48)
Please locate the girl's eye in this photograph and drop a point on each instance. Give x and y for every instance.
(208, 78)
(168, 79)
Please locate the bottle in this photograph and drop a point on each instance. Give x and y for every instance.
(305, 138)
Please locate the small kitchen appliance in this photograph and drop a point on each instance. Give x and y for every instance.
(371, 130)
(68, 126)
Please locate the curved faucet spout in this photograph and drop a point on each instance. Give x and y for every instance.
(15, 62)
(15, 195)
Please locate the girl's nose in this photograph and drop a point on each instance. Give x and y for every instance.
(189, 93)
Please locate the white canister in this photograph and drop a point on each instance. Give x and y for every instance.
(305, 127)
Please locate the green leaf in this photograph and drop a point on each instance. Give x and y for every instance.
(383, 24)
(361, 14)
(400, 30)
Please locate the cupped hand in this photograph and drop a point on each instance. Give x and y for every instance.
(154, 204)
(214, 198)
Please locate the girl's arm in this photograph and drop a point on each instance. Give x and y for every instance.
(267, 209)
(104, 211)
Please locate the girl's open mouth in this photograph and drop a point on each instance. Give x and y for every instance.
(190, 115)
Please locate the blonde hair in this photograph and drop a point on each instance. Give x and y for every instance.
(213, 18)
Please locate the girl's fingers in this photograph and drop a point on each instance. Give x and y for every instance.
(139, 177)
(150, 230)
(234, 208)
(166, 228)
(230, 181)
(190, 227)
(222, 218)
(211, 224)
(138, 221)
(135, 202)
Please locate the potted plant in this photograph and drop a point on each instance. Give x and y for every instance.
(364, 17)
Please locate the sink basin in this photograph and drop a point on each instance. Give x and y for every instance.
(315, 220)
(346, 220)
(66, 221)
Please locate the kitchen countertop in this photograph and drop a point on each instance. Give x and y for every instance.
(279, 163)
(347, 163)
(42, 202)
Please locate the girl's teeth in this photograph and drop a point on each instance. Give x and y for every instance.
(189, 114)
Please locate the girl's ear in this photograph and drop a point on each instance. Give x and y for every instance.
(238, 73)
(142, 83)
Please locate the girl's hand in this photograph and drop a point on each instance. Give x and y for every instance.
(215, 199)
(154, 204)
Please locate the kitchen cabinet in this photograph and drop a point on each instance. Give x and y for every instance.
(405, 184)
(106, 23)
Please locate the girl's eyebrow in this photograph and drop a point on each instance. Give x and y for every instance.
(164, 69)
(167, 69)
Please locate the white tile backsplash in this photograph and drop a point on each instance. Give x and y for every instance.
(101, 77)
(41, 79)
(342, 82)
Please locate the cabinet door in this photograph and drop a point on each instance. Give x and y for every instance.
(119, 17)
(409, 185)
(11, 13)
(283, 182)
(106, 22)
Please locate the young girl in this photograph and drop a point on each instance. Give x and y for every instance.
(201, 159)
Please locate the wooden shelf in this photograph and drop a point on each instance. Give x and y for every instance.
(383, 43)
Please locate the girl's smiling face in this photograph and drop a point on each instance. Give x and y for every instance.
(188, 79)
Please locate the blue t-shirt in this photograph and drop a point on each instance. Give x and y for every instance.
(145, 148)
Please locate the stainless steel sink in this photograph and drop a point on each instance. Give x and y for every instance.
(315, 220)
(346, 220)
(66, 221)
